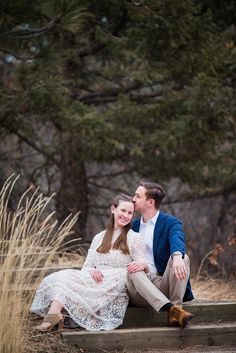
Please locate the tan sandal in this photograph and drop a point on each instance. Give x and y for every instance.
(53, 320)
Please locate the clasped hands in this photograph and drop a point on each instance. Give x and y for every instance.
(131, 268)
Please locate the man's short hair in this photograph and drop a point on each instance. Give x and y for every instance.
(153, 191)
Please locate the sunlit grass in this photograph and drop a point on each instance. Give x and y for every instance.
(211, 289)
(23, 235)
(30, 238)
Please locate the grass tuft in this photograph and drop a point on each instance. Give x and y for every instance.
(211, 289)
(29, 238)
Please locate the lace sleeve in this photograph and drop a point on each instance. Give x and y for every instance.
(138, 252)
(90, 261)
(137, 248)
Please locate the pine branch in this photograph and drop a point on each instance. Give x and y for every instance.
(111, 96)
(28, 33)
(15, 55)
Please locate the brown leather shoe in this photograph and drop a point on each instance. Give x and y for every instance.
(178, 317)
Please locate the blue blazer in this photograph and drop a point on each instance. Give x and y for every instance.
(168, 238)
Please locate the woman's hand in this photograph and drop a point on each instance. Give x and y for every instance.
(137, 267)
(96, 275)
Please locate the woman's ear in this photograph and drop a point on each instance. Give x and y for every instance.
(113, 209)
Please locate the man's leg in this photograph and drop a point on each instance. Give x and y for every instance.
(168, 284)
(143, 292)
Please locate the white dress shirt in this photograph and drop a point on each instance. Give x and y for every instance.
(147, 232)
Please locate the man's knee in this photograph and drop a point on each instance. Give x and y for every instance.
(134, 276)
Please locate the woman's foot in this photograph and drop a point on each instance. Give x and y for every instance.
(44, 326)
(50, 321)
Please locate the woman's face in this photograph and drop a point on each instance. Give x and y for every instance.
(123, 213)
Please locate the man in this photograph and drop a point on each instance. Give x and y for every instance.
(167, 284)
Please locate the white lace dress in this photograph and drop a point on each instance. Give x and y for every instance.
(93, 306)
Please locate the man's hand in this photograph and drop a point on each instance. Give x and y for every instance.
(137, 267)
(96, 275)
(179, 268)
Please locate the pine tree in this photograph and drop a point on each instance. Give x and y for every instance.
(147, 86)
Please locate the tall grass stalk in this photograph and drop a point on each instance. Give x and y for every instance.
(29, 238)
(211, 289)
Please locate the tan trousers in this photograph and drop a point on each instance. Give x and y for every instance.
(160, 291)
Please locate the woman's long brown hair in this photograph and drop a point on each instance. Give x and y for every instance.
(121, 241)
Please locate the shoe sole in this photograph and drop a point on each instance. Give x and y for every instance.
(186, 321)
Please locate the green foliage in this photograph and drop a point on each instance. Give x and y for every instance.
(151, 86)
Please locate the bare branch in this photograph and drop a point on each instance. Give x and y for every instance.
(17, 56)
(134, 91)
(197, 197)
(28, 33)
(110, 175)
(107, 187)
(31, 144)
(99, 207)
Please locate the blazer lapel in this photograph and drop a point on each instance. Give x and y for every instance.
(136, 224)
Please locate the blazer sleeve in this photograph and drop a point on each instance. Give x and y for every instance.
(176, 236)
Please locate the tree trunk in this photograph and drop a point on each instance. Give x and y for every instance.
(73, 194)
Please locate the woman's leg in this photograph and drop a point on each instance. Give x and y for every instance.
(55, 308)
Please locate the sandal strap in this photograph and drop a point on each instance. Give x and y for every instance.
(53, 319)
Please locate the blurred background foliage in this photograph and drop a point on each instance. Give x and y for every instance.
(92, 90)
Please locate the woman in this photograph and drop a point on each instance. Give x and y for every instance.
(95, 297)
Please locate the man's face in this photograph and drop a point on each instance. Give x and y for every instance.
(141, 203)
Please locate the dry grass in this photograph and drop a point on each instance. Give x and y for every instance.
(204, 289)
(49, 343)
(211, 289)
(21, 232)
(70, 259)
(31, 239)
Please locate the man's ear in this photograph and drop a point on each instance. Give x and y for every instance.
(151, 203)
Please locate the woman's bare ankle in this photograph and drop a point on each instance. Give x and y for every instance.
(44, 325)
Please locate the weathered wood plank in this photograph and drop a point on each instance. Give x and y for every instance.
(203, 312)
(153, 338)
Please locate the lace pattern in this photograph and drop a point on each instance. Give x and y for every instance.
(93, 306)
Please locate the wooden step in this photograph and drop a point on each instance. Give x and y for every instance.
(203, 312)
(153, 338)
(142, 317)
